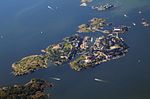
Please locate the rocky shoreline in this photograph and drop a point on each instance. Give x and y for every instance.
(34, 89)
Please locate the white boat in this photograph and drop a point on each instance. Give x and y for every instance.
(100, 80)
(58, 79)
(49, 7)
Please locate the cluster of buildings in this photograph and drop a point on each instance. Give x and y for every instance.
(69, 48)
(105, 48)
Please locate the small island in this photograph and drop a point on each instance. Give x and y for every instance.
(103, 7)
(34, 89)
(145, 23)
(102, 26)
(85, 2)
(94, 25)
(30, 64)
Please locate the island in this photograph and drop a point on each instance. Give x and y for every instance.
(34, 89)
(79, 51)
(94, 25)
(101, 25)
(30, 64)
